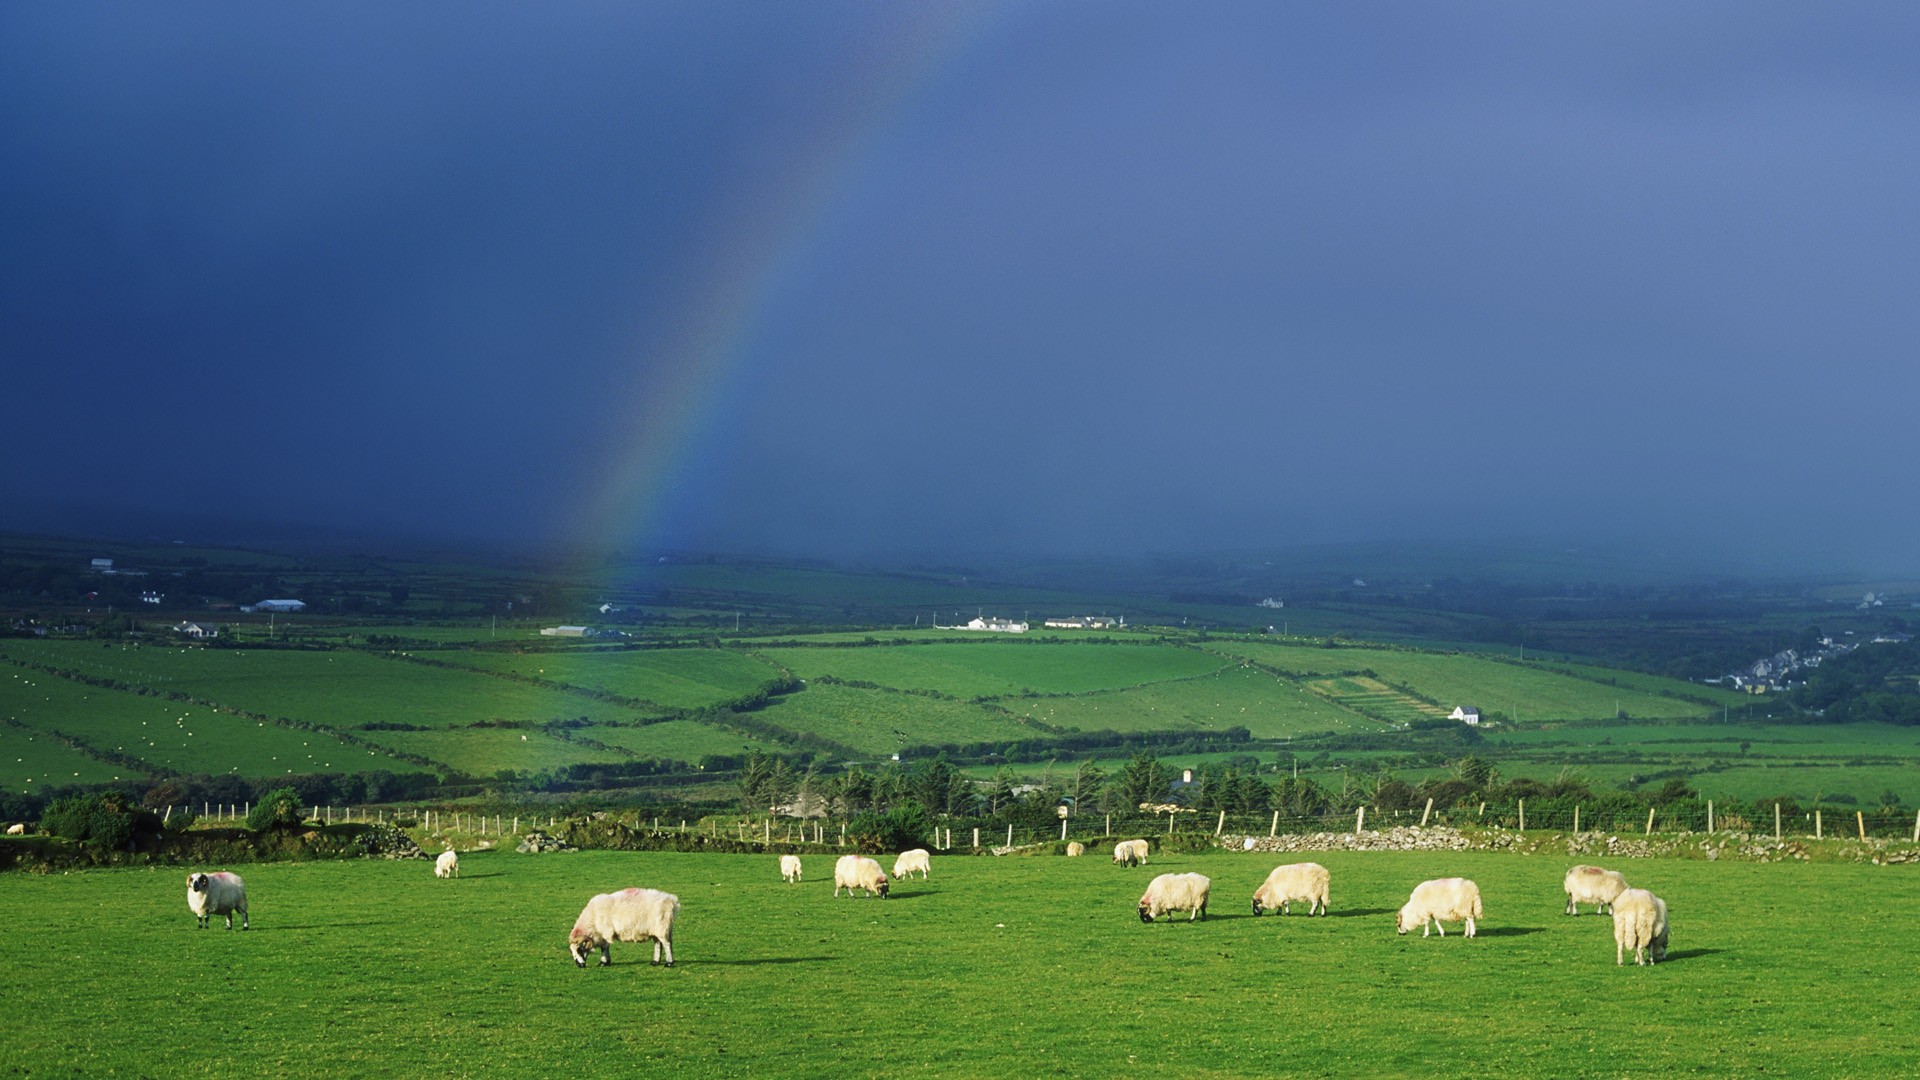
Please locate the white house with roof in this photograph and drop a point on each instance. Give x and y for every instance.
(1466, 714)
(277, 605)
(998, 626)
(195, 630)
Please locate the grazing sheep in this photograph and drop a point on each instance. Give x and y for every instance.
(1294, 881)
(447, 865)
(790, 868)
(1450, 899)
(909, 861)
(859, 872)
(1592, 885)
(1075, 849)
(1129, 852)
(17, 829)
(627, 915)
(1640, 924)
(1175, 892)
(217, 894)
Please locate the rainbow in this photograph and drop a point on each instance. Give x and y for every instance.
(685, 374)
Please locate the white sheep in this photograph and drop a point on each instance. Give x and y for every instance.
(790, 868)
(18, 828)
(909, 861)
(627, 915)
(1129, 852)
(1294, 881)
(1592, 885)
(859, 872)
(1448, 899)
(1640, 924)
(1075, 849)
(217, 894)
(1175, 892)
(447, 865)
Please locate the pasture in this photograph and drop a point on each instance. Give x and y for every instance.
(378, 969)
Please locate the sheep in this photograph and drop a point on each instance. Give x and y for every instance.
(1443, 898)
(447, 865)
(627, 915)
(217, 894)
(1295, 881)
(1129, 852)
(790, 868)
(1075, 849)
(1176, 892)
(1592, 885)
(18, 828)
(859, 872)
(1640, 924)
(909, 861)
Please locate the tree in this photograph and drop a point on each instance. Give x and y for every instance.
(1143, 780)
(281, 808)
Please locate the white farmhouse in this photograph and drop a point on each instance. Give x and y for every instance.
(195, 630)
(998, 626)
(1466, 714)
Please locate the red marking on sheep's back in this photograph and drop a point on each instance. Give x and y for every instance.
(631, 892)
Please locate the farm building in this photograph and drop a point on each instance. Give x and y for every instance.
(277, 605)
(1001, 626)
(195, 630)
(1085, 622)
(1466, 714)
(567, 631)
(104, 566)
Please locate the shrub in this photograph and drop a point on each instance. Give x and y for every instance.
(104, 821)
(277, 809)
(904, 826)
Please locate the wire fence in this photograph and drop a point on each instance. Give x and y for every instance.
(1781, 822)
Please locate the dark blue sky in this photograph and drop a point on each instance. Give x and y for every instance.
(873, 278)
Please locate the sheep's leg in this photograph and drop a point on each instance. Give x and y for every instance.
(606, 954)
(1438, 925)
(229, 920)
(243, 919)
(1571, 910)
(1470, 927)
(663, 943)
(1619, 954)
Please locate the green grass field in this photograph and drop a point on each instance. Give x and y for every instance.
(378, 969)
(169, 735)
(1001, 669)
(1524, 692)
(29, 758)
(673, 678)
(1235, 697)
(881, 721)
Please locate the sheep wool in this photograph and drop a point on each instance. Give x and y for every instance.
(1176, 892)
(1442, 899)
(1307, 882)
(1592, 885)
(217, 894)
(1639, 924)
(859, 872)
(909, 861)
(790, 868)
(627, 915)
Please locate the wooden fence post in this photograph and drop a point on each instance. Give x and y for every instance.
(1776, 821)
(768, 831)
(1916, 826)
(1221, 824)
(1818, 830)
(1860, 819)
(1649, 821)
(1424, 814)
(1109, 831)
(1274, 829)
(1359, 820)
(1523, 815)
(1482, 812)
(1576, 819)
(1063, 828)
(1009, 834)
(976, 836)
(1169, 824)
(1709, 815)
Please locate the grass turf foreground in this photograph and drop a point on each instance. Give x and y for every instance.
(994, 967)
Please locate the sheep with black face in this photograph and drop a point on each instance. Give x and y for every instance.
(217, 894)
(627, 915)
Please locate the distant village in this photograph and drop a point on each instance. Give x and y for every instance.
(1774, 674)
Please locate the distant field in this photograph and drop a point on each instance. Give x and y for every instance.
(171, 736)
(675, 740)
(1236, 697)
(486, 751)
(1523, 692)
(996, 669)
(881, 722)
(339, 688)
(673, 678)
(1375, 698)
(34, 759)
(348, 968)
